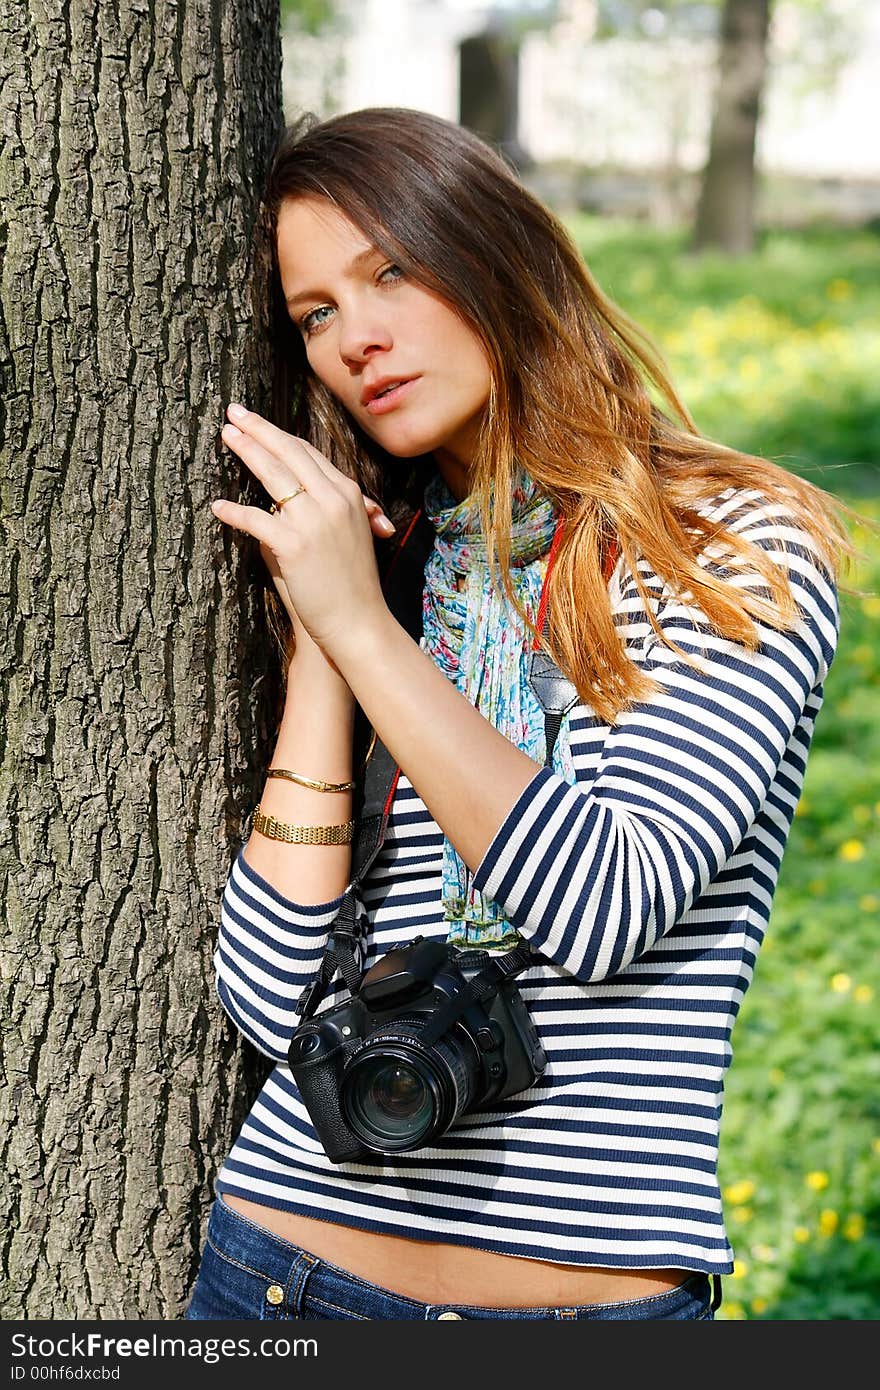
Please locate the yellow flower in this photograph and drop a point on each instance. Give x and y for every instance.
(863, 654)
(869, 902)
(801, 1234)
(803, 808)
(740, 1269)
(854, 1226)
(817, 1180)
(875, 1145)
(741, 1215)
(863, 994)
(828, 1222)
(764, 1253)
(759, 1305)
(739, 1192)
(837, 290)
(841, 983)
(776, 1075)
(734, 1311)
(851, 851)
(871, 607)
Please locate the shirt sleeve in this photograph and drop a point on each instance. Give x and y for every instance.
(268, 949)
(593, 877)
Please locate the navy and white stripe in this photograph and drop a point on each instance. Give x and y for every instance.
(646, 886)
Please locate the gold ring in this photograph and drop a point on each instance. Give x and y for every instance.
(276, 506)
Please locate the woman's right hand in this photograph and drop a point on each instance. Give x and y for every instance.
(380, 526)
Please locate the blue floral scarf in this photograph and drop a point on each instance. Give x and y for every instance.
(481, 644)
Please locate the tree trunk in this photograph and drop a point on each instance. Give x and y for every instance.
(725, 208)
(136, 139)
(489, 92)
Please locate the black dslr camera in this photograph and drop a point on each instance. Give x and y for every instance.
(419, 1043)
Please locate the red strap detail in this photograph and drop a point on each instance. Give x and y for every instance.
(392, 562)
(542, 606)
(607, 568)
(390, 797)
(611, 556)
(403, 540)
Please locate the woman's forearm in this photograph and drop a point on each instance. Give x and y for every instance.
(314, 740)
(466, 772)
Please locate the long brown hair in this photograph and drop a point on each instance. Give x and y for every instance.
(570, 399)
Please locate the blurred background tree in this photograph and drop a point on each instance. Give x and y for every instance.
(725, 210)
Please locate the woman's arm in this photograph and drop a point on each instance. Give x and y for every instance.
(280, 899)
(314, 740)
(466, 772)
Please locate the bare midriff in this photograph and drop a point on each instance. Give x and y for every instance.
(432, 1272)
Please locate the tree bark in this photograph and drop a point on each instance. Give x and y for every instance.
(136, 139)
(725, 207)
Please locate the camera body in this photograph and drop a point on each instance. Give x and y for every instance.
(378, 1076)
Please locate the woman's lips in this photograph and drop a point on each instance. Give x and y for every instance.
(380, 404)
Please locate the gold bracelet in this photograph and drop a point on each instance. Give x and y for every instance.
(303, 834)
(310, 782)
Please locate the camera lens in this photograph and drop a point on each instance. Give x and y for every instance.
(391, 1101)
(397, 1095)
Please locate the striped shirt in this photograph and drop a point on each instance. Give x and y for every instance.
(646, 887)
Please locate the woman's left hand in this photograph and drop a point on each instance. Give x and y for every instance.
(321, 539)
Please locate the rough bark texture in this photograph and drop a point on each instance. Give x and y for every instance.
(136, 139)
(725, 209)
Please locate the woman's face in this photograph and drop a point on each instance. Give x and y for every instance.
(366, 325)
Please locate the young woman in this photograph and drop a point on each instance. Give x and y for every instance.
(450, 358)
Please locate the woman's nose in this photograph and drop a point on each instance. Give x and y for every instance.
(361, 335)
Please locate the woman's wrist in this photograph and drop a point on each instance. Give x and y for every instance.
(309, 666)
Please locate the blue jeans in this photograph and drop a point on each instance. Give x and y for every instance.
(249, 1272)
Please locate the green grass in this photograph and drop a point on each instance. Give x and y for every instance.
(778, 353)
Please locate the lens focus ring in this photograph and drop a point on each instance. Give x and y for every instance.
(397, 1095)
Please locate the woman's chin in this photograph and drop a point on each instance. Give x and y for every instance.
(409, 446)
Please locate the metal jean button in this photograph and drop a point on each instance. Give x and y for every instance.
(442, 1316)
(275, 1294)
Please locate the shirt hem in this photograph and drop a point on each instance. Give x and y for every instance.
(585, 1259)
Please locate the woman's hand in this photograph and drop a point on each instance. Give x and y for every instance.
(318, 547)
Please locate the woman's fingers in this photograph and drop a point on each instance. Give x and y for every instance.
(255, 521)
(279, 460)
(378, 520)
(288, 454)
(262, 464)
(250, 519)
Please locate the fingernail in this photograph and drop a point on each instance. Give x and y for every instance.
(237, 412)
(387, 526)
(231, 432)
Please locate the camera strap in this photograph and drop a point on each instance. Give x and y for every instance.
(402, 586)
(483, 985)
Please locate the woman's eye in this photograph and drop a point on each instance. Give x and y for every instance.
(311, 323)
